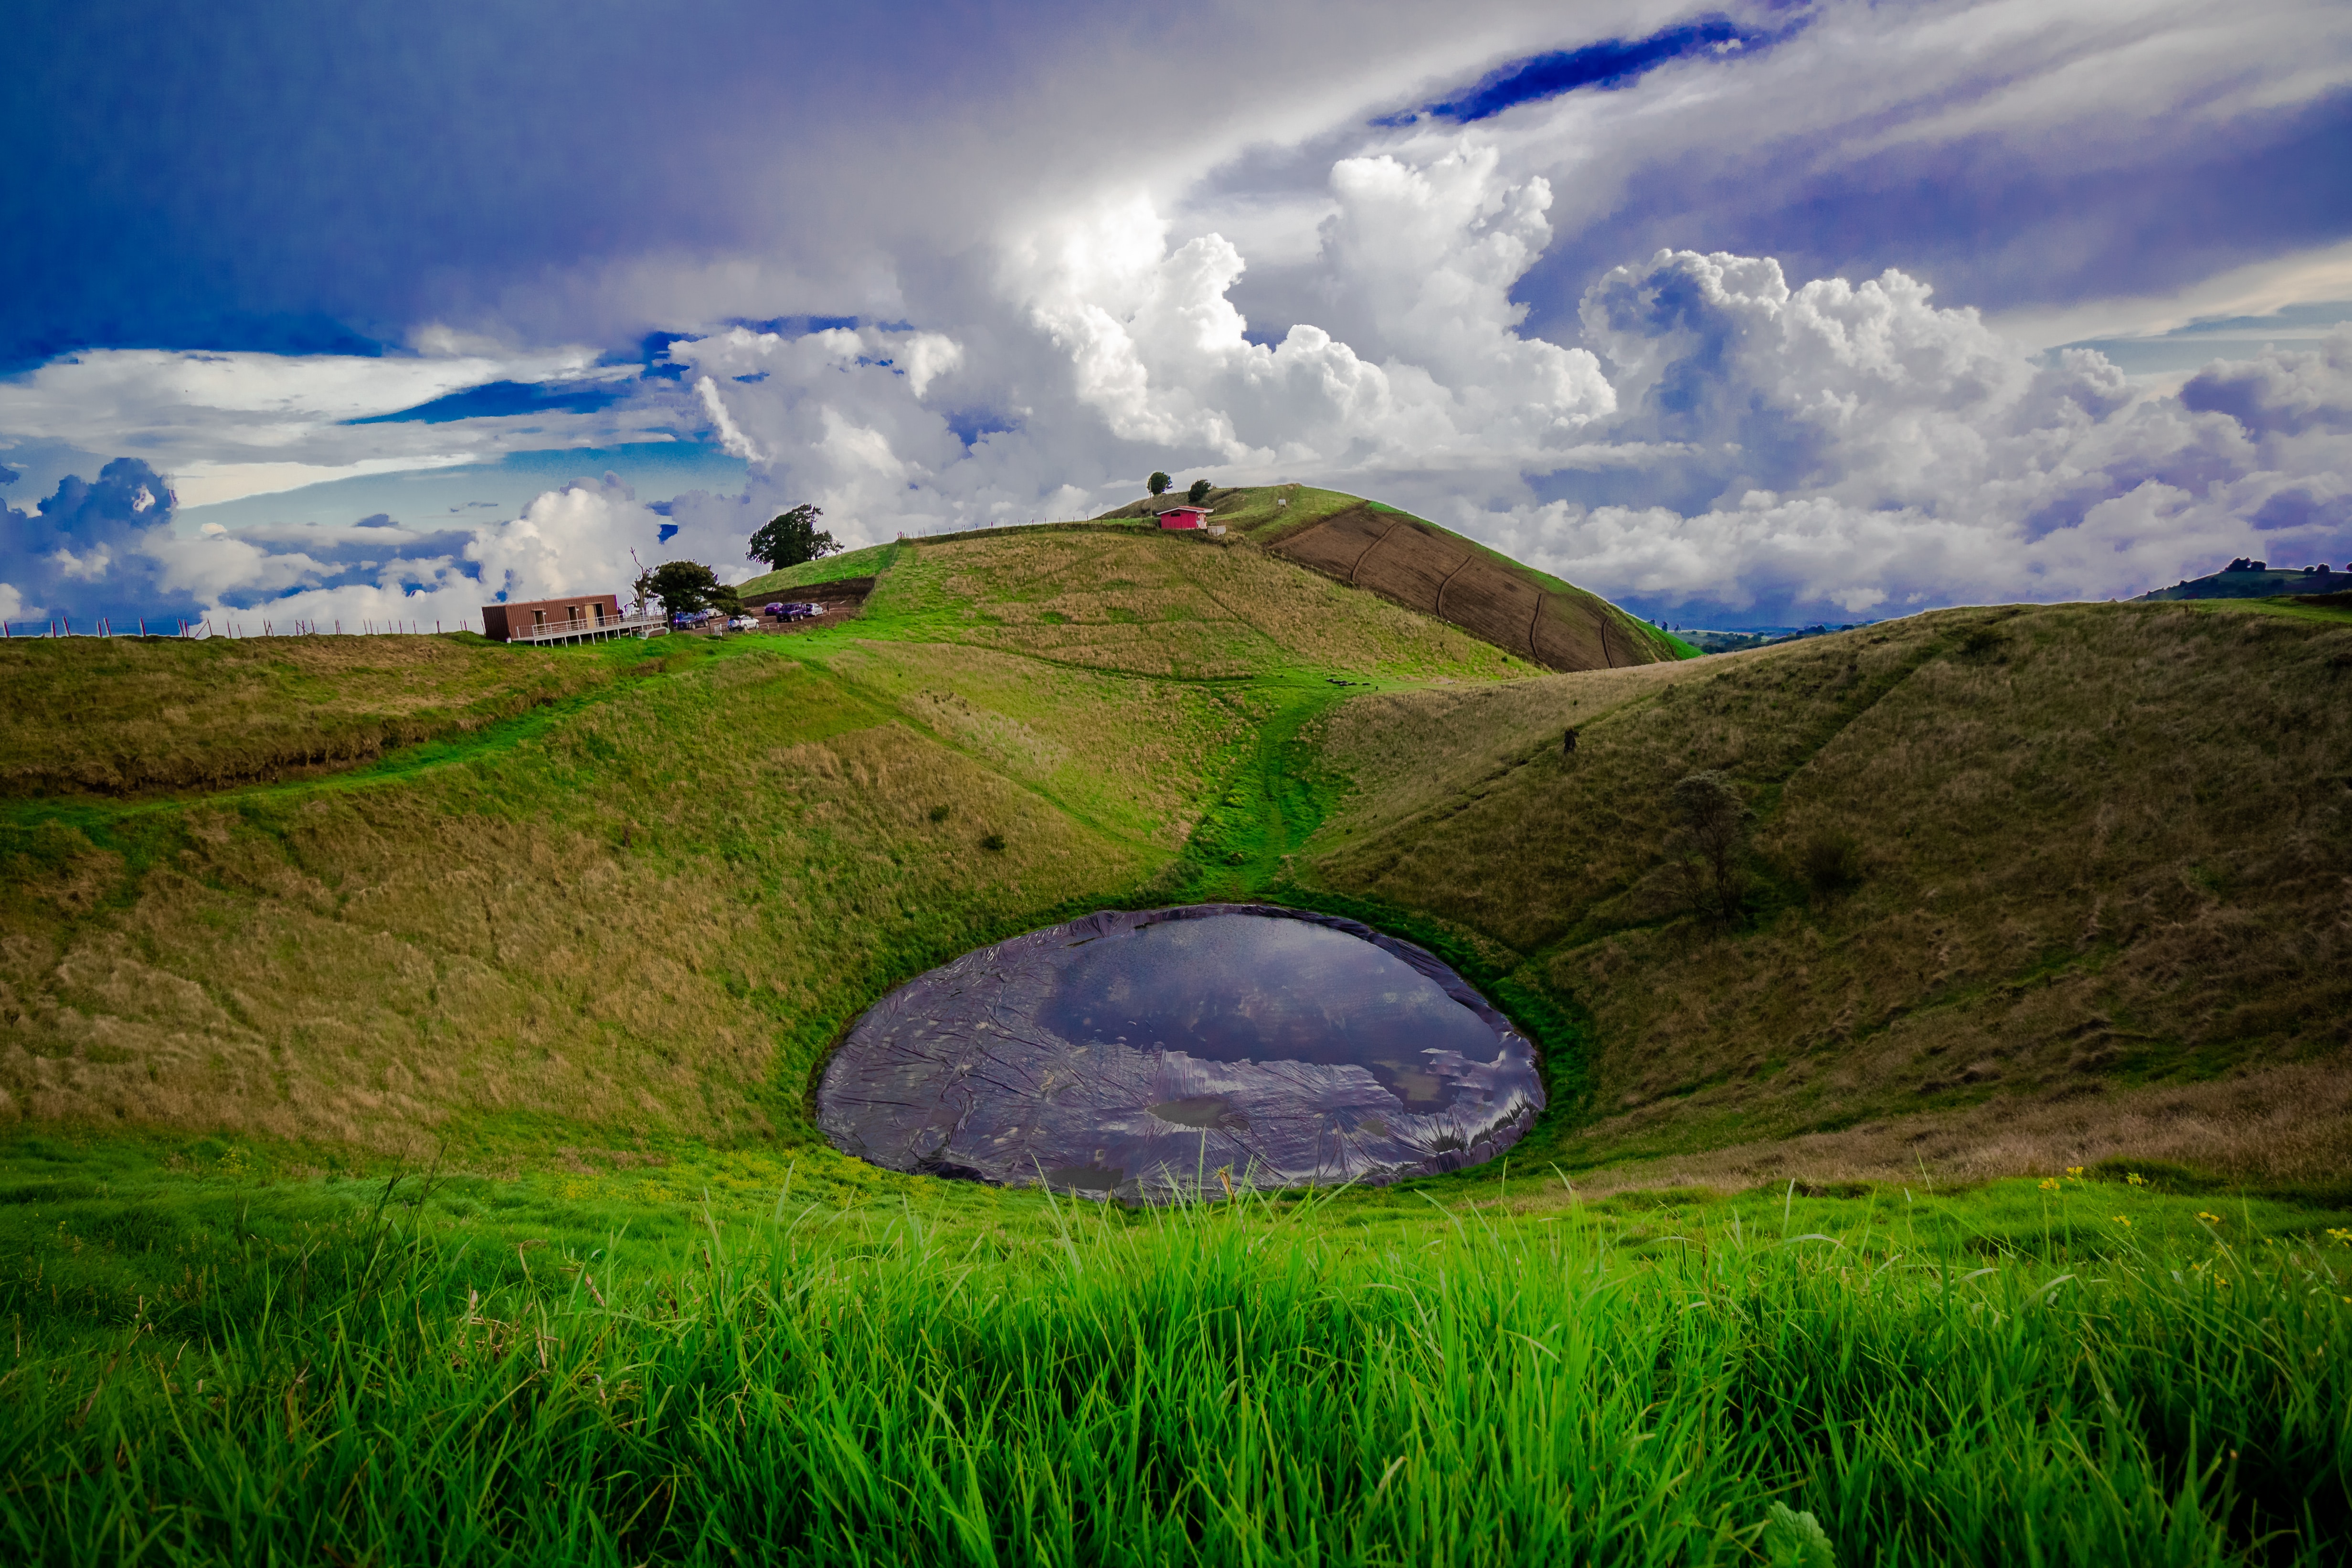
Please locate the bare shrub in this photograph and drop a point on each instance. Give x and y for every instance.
(1711, 823)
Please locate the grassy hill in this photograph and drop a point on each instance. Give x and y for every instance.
(1416, 563)
(2028, 888)
(2255, 580)
(643, 884)
(2032, 901)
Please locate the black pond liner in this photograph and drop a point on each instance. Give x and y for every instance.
(1132, 1054)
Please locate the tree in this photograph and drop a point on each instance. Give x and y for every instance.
(1711, 827)
(1199, 493)
(1158, 484)
(684, 586)
(792, 538)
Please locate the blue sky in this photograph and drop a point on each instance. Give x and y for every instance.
(1742, 314)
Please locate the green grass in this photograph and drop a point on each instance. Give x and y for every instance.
(575, 950)
(120, 716)
(390, 1373)
(869, 561)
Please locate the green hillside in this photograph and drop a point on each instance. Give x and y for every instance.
(640, 885)
(406, 1049)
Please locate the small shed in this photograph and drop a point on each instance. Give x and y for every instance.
(1184, 517)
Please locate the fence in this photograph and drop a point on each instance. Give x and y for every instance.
(585, 630)
(197, 630)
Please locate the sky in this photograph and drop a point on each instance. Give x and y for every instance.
(1743, 315)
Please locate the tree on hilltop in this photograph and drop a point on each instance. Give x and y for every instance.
(793, 538)
(1158, 484)
(1199, 493)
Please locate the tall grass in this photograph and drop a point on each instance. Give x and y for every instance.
(1239, 1383)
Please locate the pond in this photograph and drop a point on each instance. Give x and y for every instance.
(1135, 1055)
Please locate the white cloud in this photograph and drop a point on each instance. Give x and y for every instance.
(1719, 437)
(203, 482)
(1865, 448)
(224, 426)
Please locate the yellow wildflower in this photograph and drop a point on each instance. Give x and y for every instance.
(2209, 1219)
(2074, 1173)
(2123, 1222)
(2221, 1282)
(2133, 1178)
(2341, 1238)
(2049, 1185)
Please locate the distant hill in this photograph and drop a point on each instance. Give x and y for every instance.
(2245, 579)
(1764, 637)
(1370, 545)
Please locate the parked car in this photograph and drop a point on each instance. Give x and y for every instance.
(744, 623)
(800, 612)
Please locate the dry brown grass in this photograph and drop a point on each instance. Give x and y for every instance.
(1165, 605)
(2271, 1128)
(120, 716)
(2101, 844)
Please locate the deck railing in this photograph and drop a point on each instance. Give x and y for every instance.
(611, 626)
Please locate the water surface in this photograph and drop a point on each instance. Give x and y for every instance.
(1136, 1054)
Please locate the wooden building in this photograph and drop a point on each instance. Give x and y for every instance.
(576, 617)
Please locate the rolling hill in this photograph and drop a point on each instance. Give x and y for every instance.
(1416, 563)
(2082, 896)
(406, 1049)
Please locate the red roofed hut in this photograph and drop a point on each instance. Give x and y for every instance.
(1184, 517)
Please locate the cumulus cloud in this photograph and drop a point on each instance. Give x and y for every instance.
(1100, 348)
(1399, 307)
(1837, 447)
(86, 550)
(1856, 447)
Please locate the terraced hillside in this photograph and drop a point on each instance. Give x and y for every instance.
(1416, 563)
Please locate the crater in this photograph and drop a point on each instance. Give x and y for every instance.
(1136, 1055)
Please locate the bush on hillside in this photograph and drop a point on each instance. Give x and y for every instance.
(1830, 862)
(1199, 493)
(1158, 484)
